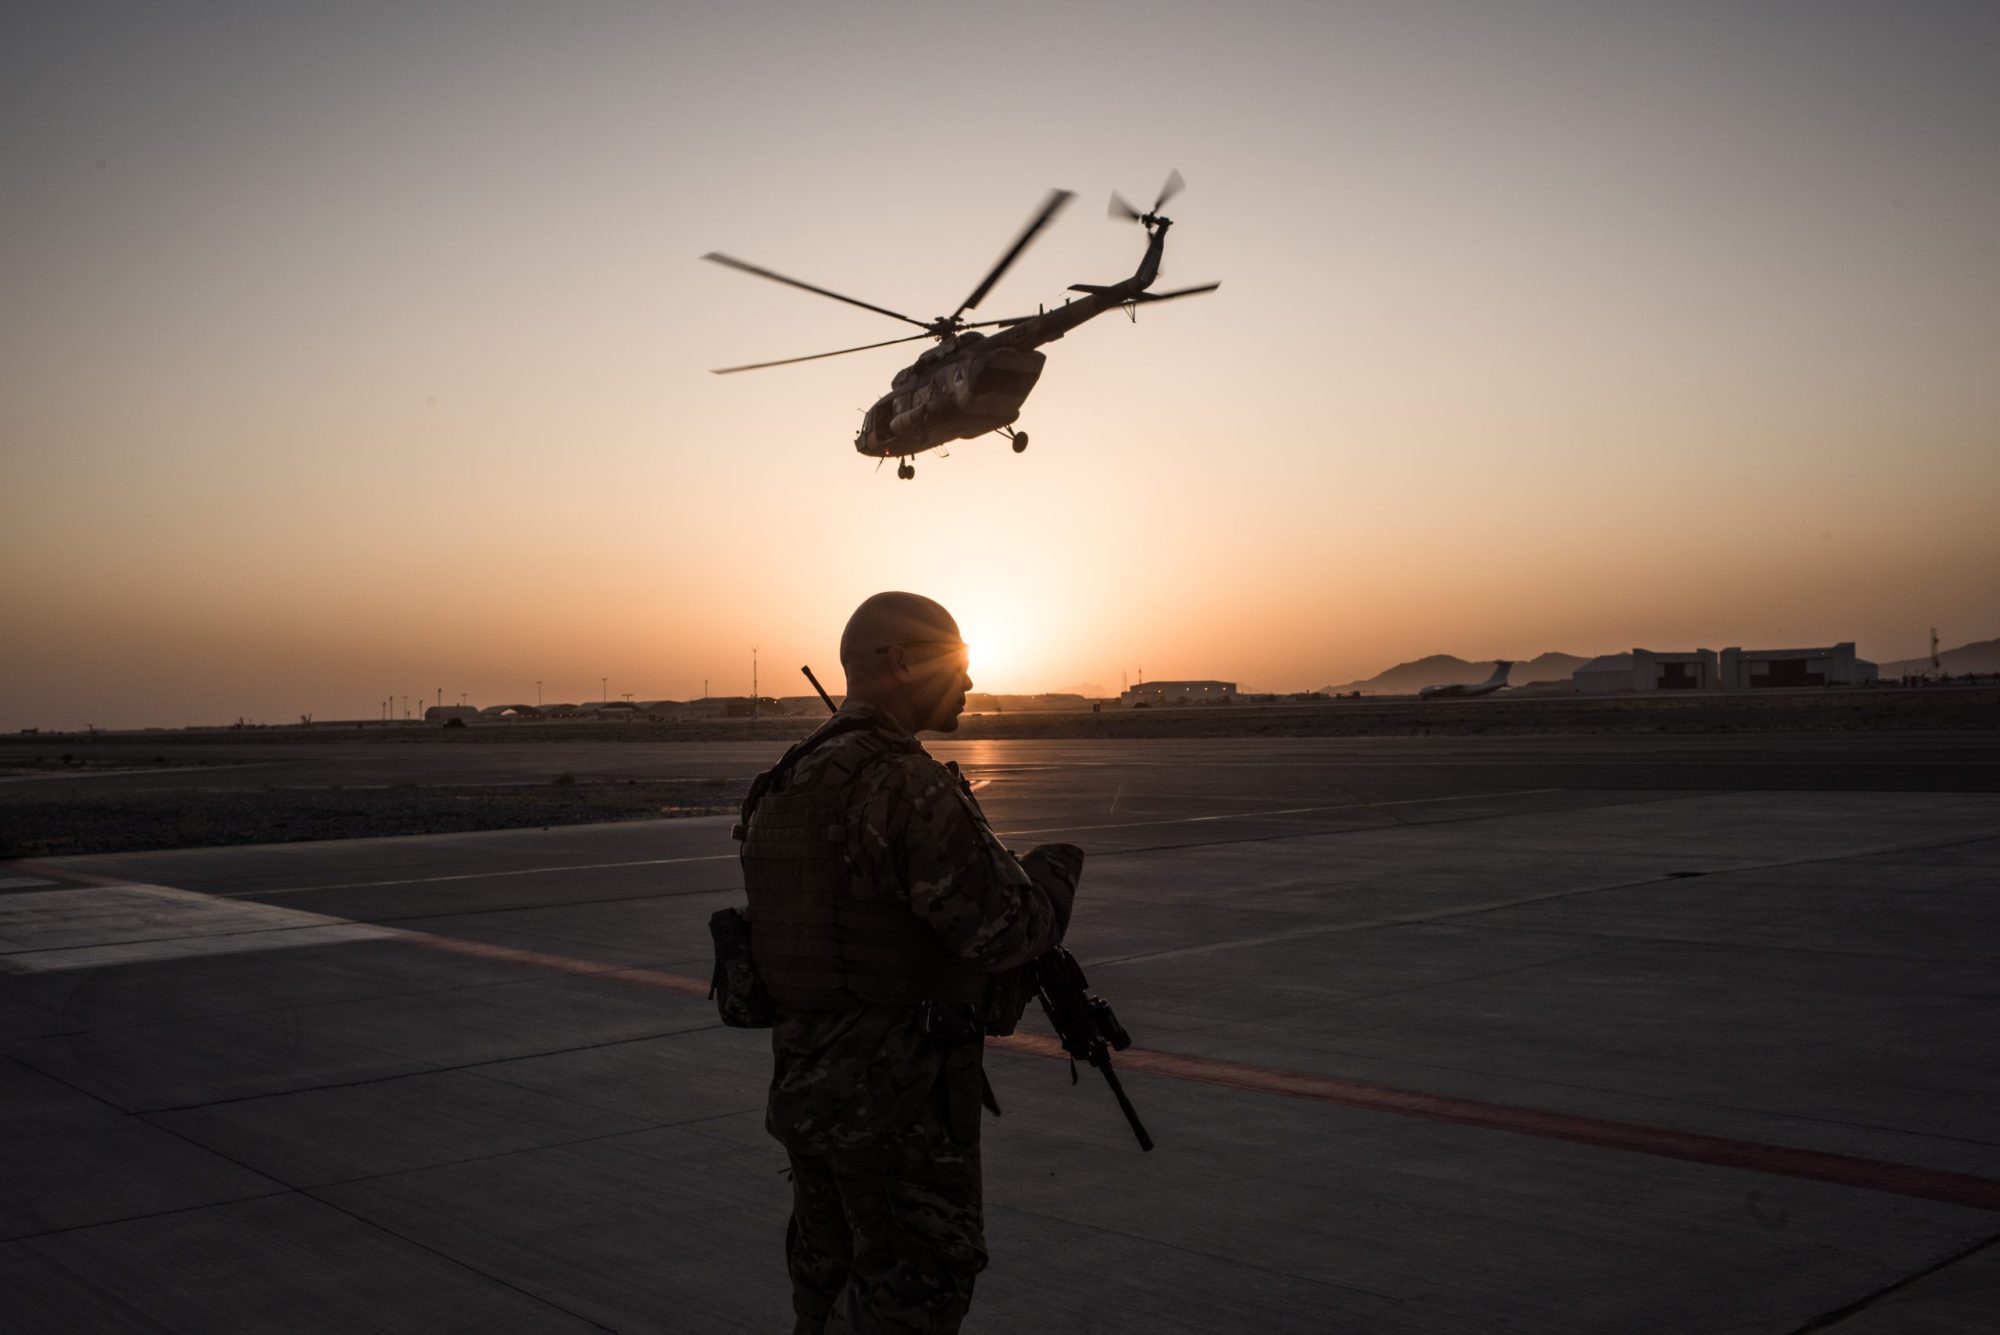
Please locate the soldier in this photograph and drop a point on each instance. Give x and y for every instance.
(889, 926)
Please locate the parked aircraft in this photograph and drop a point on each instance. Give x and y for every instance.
(1497, 681)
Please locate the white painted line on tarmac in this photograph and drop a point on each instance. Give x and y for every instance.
(482, 875)
(126, 773)
(731, 857)
(1283, 811)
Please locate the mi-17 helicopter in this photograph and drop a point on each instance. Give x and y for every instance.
(972, 383)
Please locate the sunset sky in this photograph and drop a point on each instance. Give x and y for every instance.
(359, 350)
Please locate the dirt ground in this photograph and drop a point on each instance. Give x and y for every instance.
(214, 800)
(41, 825)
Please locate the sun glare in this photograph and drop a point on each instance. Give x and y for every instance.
(988, 651)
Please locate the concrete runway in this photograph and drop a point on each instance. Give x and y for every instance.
(1586, 1034)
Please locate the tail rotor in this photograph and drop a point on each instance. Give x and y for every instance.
(1125, 212)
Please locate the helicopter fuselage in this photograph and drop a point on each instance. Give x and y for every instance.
(973, 383)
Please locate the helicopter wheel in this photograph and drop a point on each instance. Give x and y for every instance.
(906, 470)
(1020, 441)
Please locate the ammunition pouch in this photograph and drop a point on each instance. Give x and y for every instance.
(738, 993)
(961, 1075)
(964, 1085)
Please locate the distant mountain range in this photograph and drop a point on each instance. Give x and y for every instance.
(1981, 657)
(1448, 669)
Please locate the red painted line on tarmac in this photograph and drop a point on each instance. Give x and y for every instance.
(1982, 1193)
(541, 959)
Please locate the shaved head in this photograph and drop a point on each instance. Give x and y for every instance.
(902, 652)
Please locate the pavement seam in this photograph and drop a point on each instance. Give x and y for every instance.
(1266, 1017)
(1725, 1152)
(520, 1150)
(1827, 1320)
(411, 1075)
(150, 1214)
(731, 857)
(1494, 906)
(289, 1190)
(491, 984)
(461, 1263)
(1613, 1092)
(1162, 1245)
(475, 875)
(1768, 947)
(546, 905)
(1280, 811)
(1351, 830)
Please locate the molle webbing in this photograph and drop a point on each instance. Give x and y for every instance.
(821, 938)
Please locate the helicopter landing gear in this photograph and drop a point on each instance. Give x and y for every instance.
(1019, 438)
(906, 470)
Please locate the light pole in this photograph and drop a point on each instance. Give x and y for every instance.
(538, 692)
(753, 684)
(604, 688)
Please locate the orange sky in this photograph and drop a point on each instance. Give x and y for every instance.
(353, 357)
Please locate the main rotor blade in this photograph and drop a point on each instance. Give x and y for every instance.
(1050, 207)
(758, 366)
(1177, 292)
(989, 324)
(730, 261)
(1169, 190)
(1120, 209)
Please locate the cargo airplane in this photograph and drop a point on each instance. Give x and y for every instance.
(1497, 681)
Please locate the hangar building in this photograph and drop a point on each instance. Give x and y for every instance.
(1648, 670)
(1832, 665)
(1179, 693)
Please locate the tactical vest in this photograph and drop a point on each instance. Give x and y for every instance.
(824, 937)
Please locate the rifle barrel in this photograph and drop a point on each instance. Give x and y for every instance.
(1124, 1104)
(821, 689)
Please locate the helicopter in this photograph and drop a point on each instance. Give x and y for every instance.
(973, 383)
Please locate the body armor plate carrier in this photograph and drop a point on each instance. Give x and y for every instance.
(823, 936)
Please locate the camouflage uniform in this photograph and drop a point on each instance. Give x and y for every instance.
(879, 1118)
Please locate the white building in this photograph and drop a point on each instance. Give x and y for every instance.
(1758, 669)
(1603, 675)
(1692, 670)
(1648, 670)
(1179, 693)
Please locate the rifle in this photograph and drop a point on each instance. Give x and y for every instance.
(1084, 1023)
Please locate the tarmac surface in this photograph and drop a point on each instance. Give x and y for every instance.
(1457, 1035)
